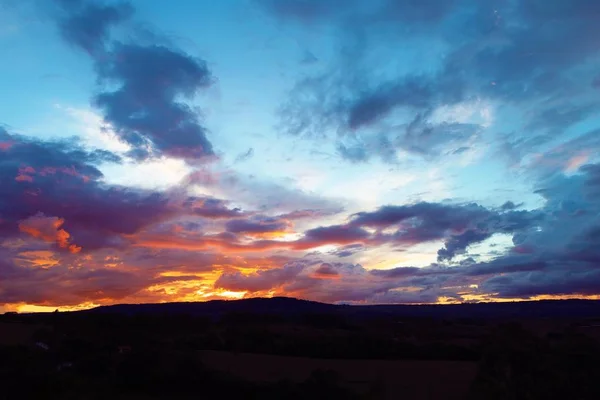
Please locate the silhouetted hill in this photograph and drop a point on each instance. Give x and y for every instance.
(275, 305)
(291, 306)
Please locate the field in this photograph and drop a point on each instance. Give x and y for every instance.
(418, 380)
(271, 349)
(12, 334)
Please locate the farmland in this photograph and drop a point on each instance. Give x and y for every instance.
(273, 349)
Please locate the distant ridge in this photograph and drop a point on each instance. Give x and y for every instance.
(290, 306)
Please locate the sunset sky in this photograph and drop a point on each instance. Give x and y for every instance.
(344, 151)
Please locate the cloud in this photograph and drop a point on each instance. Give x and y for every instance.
(305, 11)
(48, 229)
(516, 76)
(326, 271)
(256, 225)
(535, 283)
(245, 155)
(60, 286)
(260, 281)
(530, 55)
(308, 58)
(312, 279)
(212, 208)
(348, 250)
(459, 225)
(563, 237)
(64, 183)
(87, 24)
(65, 203)
(335, 234)
(142, 85)
(396, 272)
(262, 195)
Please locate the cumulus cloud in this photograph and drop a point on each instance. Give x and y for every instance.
(87, 25)
(48, 229)
(64, 183)
(142, 85)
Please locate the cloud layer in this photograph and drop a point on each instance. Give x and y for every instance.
(460, 88)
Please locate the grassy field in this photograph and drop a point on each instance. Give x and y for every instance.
(398, 379)
(13, 333)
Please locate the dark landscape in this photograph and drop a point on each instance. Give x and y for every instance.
(287, 348)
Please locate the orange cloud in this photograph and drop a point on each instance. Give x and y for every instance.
(25, 174)
(48, 229)
(41, 258)
(204, 243)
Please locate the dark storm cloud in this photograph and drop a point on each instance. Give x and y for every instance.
(147, 83)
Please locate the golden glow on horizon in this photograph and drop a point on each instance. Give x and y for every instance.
(215, 294)
(32, 308)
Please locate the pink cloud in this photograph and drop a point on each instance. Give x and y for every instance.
(577, 161)
(48, 229)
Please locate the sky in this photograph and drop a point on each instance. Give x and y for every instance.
(342, 151)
